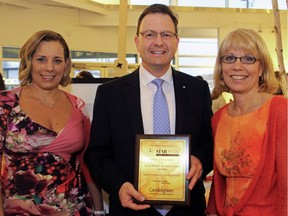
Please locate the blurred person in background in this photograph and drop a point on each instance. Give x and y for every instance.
(218, 100)
(84, 75)
(2, 83)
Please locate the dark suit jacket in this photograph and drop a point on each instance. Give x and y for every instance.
(117, 119)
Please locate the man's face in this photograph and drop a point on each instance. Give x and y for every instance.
(157, 51)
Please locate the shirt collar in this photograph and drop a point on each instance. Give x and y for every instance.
(146, 77)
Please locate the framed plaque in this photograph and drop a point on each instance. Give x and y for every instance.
(162, 163)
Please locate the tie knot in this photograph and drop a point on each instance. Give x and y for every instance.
(158, 82)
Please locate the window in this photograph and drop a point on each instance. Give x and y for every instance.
(255, 4)
(11, 62)
(11, 52)
(84, 56)
(196, 56)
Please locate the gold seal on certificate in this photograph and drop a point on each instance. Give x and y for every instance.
(162, 164)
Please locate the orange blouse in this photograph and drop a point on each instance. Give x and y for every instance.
(238, 144)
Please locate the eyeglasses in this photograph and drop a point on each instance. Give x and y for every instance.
(153, 34)
(247, 59)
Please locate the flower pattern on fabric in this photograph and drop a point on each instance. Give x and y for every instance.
(235, 159)
(35, 182)
(238, 149)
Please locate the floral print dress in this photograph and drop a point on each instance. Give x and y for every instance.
(40, 169)
(238, 147)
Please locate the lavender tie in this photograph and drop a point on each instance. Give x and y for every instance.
(161, 125)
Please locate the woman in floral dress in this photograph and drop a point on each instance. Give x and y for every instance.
(44, 132)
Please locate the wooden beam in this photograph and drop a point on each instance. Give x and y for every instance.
(18, 3)
(121, 64)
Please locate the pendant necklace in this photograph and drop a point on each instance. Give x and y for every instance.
(51, 106)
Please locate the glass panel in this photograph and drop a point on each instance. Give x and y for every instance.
(149, 2)
(197, 61)
(10, 69)
(83, 56)
(202, 3)
(90, 55)
(197, 71)
(10, 74)
(206, 73)
(196, 56)
(107, 1)
(198, 46)
(256, 4)
(111, 60)
(11, 52)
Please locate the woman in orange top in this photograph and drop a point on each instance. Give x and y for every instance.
(250, 133)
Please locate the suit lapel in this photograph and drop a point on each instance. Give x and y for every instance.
(131, 94)
(180, 97)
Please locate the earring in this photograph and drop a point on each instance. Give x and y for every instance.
(261, 79)
(221, 76)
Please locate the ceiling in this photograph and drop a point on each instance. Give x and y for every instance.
(217, 16)
(80, 4)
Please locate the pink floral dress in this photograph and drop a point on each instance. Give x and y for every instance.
(40, 169)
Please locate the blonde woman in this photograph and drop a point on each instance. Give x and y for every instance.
(44, 133)
(250, 133)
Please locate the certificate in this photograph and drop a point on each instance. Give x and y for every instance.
(162, 163)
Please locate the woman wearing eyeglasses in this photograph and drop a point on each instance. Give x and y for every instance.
(250, 133)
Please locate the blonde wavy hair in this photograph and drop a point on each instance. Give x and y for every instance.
(248, 40)
(28, 49)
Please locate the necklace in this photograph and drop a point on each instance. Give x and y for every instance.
(51, 106)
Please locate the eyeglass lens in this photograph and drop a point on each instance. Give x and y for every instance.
(247, 59)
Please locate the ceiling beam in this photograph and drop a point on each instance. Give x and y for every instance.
(18, 3)
(83, 5)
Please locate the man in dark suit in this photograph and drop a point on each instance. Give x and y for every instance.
(123, 108)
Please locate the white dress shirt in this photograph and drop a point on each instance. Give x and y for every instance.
(147, 91)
